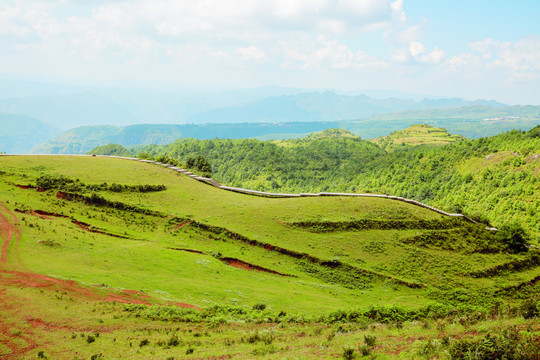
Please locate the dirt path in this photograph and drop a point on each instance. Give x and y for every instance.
(8, 229)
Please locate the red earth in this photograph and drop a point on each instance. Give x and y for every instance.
(14, 274)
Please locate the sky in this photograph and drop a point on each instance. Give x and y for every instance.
(476, 49)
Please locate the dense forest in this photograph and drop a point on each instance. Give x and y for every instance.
(493, 179)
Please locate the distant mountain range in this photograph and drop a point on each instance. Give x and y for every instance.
(92, 116)
(471, 121)
(67, 107)
(326, 106)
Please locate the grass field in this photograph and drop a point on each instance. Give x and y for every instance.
(267, 287)
(420, 134)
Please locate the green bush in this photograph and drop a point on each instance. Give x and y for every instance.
(348, 353)
(199, 163)
(510, 345)
(370, 340)
(173, 341)
(514, 237)
(530, 308)
(259, 306)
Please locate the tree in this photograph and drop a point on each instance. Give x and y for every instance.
(514, 237)
(199, 163)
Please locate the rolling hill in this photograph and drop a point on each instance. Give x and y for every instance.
(418, 134)
(149, 263)
(494, 178)
(466, 121)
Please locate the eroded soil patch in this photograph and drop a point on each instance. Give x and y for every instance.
(247, 266)
(85, 226)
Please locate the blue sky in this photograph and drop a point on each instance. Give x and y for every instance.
(470, 49)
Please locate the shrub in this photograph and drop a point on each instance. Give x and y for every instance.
(173, 341)
(364, 350)
(509, 345)
(530, 308)
(144, 342)
(348, 353)
(90, 339)
(514, 237)
(259, 306)
(58, 182)
(370, 340)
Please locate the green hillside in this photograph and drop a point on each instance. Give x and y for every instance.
(133, 232)
(494, 179)
(419, 134)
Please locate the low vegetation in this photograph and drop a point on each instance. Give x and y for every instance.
(493, 179)
(95, 273)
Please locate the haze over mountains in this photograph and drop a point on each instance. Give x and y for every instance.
(44, 111)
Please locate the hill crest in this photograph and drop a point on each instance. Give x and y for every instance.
(418, 134)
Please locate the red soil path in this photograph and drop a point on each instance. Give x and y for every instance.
(7, 229)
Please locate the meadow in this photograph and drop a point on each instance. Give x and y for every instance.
(120, 259)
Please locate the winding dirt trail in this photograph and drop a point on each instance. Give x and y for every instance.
(8, 229)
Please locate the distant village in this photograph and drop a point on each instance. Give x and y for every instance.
(503, 118)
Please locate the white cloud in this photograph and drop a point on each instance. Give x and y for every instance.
(155, 29)
(416, 48)
(518, 61)
(400, 56)
(397, 11)
(418, 52)
(9, 25)
(251, 53)
(326, 54)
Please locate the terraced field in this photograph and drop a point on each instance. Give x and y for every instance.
(96, 241)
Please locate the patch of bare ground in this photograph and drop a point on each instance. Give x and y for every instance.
(247, 266)
(85, 226)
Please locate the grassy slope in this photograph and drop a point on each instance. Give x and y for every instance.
(419, 134)
(143, 262)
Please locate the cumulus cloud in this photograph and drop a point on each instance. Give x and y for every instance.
(416, 48)
(518, 61)
(10, 22)
(328, 54)
(233, 29)
(418, 52)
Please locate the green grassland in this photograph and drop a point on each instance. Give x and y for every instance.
(419, 134)
(321, 273)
